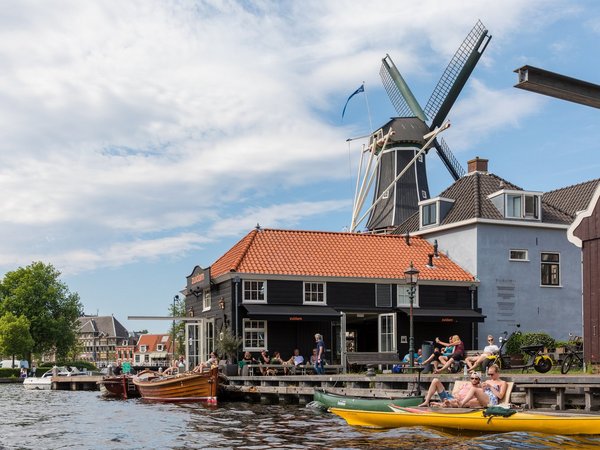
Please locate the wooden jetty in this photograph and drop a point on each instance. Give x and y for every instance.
(76, 383)
(531, 391)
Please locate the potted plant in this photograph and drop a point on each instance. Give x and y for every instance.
(227, 345)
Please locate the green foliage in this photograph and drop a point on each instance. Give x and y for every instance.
(227, 344)
(177, 309)
(538, 338)
(9, 373)
(76, 363)
(37, 293)
(513, 346)
(558, 344)
(15, 338)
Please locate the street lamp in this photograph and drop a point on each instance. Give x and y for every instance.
(411, 275)
(175, 300)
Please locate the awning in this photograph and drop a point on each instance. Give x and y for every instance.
(445, 315)
(291, 312)
(157, 355)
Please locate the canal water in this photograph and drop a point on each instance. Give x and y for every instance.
(85, 420)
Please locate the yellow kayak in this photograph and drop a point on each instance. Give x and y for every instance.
(473, 420)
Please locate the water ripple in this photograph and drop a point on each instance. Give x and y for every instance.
(84, 420)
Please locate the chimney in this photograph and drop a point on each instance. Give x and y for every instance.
(478, 165)
(430, 262)
(435, 249)
(407, 238)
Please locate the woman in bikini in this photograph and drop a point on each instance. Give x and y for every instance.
(455, 398)
(490, 392)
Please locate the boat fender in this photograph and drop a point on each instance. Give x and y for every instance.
(497, 411)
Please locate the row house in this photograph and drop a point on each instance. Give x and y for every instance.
(99, 337)
(275, 289)
(153, 350)
(515, 243)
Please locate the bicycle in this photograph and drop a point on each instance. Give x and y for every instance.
(574, 354)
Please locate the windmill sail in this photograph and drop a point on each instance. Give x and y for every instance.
(456, 74)
(398, 91)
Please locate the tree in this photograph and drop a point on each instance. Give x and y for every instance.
(228, 345)
(37, 293)
(15, 338)
(177, 309)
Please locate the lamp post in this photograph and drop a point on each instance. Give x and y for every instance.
(411, 275)
(175, 300)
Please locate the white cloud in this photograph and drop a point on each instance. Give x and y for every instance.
(127, 127)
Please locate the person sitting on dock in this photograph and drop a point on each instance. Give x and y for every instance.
(264, 359)
(458, 395)
(490, 392)
(488, 350)
(458, 353)
(213, 360)
(295, 361)
(434, 358)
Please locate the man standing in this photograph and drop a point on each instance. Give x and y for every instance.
(320, 354)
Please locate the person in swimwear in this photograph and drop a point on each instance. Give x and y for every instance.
(490, 392)
(454, 399)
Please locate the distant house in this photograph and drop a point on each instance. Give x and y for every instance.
(125, 349)
(515, 242)
(276, 288)
(99, 337)
(153, 350)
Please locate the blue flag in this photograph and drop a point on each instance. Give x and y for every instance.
(358, 91)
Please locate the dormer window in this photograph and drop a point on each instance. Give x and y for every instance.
(517, 204)
(434, 210)
(143, 348)
(429, 214)
(160, 348)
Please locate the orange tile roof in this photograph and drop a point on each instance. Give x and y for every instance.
(152, 340)
(329, 254)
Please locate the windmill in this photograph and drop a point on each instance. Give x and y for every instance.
(397, 150)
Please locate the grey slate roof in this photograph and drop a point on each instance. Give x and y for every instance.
(105, 325)
(470, 201)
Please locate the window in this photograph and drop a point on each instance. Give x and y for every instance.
(518, 255)
(209, 338)
(513, 206)
(137, 359)
(387, 333)
(314, 292)
(206, 300)
(254, 291)
(550, 269)
(143, 348)
(383, 295)
(404, 296)
(160, 348)
(255, 335)
(522, 206)
(429, 214)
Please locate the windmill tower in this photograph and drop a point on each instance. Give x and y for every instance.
(399, 174)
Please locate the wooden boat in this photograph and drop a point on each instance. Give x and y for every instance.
(331, 400)
(119, 386)
(185, 387)
(474, 420)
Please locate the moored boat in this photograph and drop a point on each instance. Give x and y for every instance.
(332, 400)
(185, 387)
(118, 386)
(474, 420)
(44, 382)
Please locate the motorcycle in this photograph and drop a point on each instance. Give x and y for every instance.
(537, 359)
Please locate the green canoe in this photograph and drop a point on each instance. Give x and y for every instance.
(330, 400)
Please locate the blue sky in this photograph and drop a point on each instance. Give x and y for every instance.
(142, 138)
